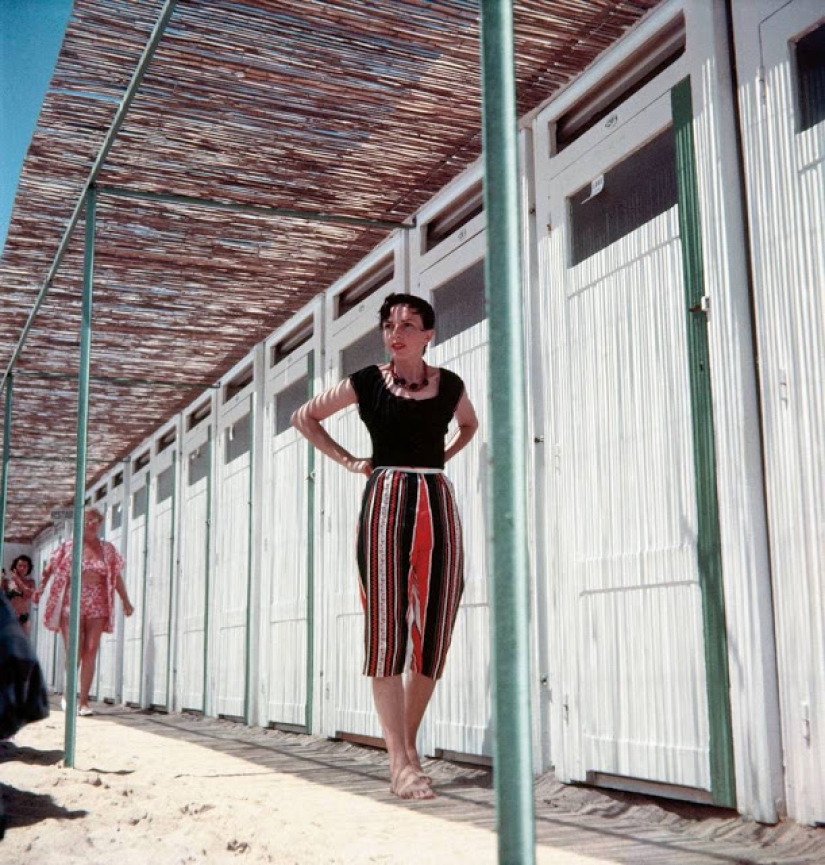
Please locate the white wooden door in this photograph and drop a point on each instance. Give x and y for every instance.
(783, 117)
(230, 589)
(195, 546)
(630, 694)
(286, 649)
(459, 719)
(108, 667)
(160, 577)
(347, 694)
(47, 643)
(135, 580)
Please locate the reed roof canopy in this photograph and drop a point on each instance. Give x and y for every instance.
(357, 111)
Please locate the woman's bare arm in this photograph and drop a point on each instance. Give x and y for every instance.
(120, 588)
(465, 416)
(44, 579)
(307, 420)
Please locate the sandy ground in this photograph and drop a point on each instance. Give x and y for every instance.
(151, 788)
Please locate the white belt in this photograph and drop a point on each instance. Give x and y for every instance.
(419, 471)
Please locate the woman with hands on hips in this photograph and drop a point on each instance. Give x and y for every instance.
(409, 550)
(101, 577)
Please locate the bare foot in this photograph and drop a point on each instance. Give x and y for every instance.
(415, 762)
(409, 784)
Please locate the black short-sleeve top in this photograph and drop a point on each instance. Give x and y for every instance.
(406, 432)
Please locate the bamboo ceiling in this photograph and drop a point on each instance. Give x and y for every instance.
(357, 108)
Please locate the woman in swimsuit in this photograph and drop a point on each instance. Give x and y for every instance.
(101, 577)
(20, 589)
(410, 554)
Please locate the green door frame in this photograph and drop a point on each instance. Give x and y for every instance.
(709, 549)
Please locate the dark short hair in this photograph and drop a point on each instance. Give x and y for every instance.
(23, 559)
(414, 302)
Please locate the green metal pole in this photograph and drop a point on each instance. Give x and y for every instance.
(4, 484)
(144, 696)
(172, 573)
(250, 525)
(508, 530)
(80, 478)
(310, 511)
(207, 566)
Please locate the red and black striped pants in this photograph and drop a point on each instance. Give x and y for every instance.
(411, 563)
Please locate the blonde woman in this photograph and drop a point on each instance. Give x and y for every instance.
(101, 578)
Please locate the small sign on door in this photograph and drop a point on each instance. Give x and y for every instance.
(596, 186)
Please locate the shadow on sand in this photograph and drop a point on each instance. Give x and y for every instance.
(21, 808)
(11, 752)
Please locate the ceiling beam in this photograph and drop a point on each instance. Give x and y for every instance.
(252, 209)
(118, 379)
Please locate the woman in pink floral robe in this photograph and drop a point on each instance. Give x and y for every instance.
(101, 577)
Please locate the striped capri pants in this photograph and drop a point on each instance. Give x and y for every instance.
(411, 565)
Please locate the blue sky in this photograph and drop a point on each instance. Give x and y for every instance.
(31, 32)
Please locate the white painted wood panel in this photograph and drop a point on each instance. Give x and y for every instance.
(785, 178)
(135, 580)
(460, 718)
(631, 691)
(352, 342)
(347, 690)
(754, 701)
(230, 587)
(110, 655)
(160, 578)
(195, 541)
(48, 644)
(286, 543)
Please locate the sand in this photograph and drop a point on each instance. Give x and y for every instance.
(149, 788)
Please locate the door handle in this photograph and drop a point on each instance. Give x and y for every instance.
(702, 306)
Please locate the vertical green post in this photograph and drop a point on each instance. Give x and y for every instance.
(4, 483)
(80, 477)
(172, 574)
(310, 510)
(144, 696)
(247, 675)
(709, 543)
(207, 565)
(507, 531)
